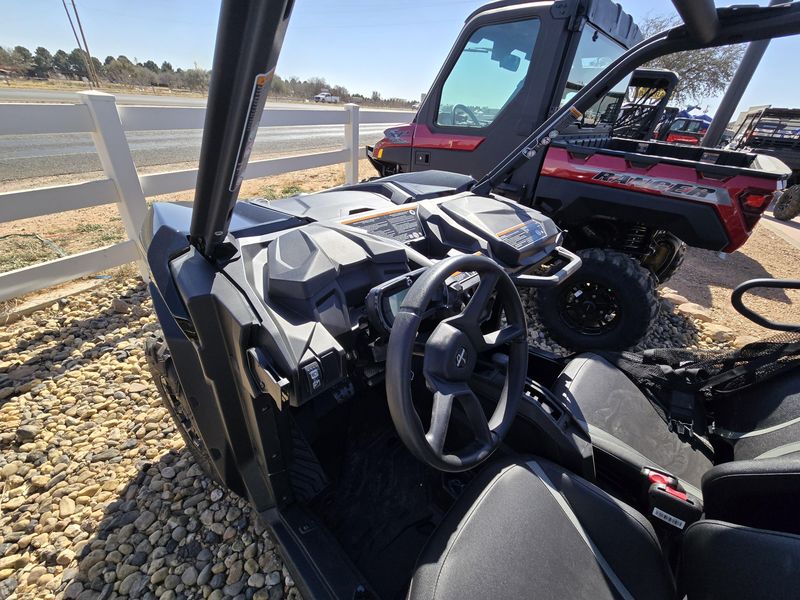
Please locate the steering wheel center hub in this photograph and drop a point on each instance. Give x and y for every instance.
(449, 354)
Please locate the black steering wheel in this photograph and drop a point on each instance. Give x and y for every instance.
(451, 353)
(467, 111)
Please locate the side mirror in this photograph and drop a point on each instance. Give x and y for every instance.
(510, 62)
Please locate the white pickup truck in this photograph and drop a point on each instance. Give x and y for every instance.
(326, 97)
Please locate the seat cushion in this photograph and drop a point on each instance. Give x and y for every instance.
(624, 426)
(722, 560)
(528, 529)
(759, 493)
(762, 422)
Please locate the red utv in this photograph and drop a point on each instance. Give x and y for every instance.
(628, 207)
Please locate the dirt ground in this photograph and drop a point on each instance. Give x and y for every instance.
(706, 278)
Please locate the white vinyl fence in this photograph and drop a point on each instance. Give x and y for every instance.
(98, 114)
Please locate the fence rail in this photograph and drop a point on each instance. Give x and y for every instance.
(98, 114)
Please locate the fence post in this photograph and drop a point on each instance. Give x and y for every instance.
(351, 144)
(115, 157)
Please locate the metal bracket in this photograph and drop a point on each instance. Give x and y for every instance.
(265, 377)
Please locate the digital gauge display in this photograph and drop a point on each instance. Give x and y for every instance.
(394, 301)
(383, 301)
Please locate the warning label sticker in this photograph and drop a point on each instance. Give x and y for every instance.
(257, 98)
(523, 235)
(402, 224)
(668, 518)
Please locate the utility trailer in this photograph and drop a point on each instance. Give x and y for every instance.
(776, 132)
(628, 209)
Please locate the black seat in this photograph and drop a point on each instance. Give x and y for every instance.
(528, 529)
(628, 432)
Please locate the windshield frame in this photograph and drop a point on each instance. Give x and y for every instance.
(620, 88)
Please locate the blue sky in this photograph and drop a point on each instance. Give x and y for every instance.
(392, 46)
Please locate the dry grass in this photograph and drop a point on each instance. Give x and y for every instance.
(65, 85)
(21, 250)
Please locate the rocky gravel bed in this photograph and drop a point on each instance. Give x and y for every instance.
(98, 497)
(680, 324)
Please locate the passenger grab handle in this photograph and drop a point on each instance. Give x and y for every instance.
(542, 281)
(738, 304)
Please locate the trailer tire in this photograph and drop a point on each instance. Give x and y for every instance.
(788, 205)
(620, 306)
(169, 387)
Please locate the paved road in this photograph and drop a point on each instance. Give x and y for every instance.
(57, 96)
(48, 155)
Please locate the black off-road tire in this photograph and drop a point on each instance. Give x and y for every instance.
(166, 379)
(611, 275)
(788, 205)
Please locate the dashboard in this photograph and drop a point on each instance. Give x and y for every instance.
(329, 290)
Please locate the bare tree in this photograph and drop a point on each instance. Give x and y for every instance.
(703, 73)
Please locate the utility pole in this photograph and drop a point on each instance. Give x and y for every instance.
(92, 70)
(77, 41)
(744, 73)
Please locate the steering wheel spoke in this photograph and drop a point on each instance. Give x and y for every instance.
(499, 338)
(476, 417)
(477, 309)
(440, 420)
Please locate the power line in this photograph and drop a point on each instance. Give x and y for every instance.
(92, 70)
(77, 41)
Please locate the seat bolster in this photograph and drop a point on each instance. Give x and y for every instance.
(623, 424)
(756, 493)
(722, 561)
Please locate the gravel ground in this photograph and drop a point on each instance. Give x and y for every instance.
(98, 498)
(672, 329)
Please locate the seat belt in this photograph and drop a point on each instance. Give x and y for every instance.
(573, 518)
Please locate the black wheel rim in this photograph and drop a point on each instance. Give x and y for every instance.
(590, 308)
(184, 421)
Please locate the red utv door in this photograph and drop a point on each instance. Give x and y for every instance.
(510, 67)
(494, 87)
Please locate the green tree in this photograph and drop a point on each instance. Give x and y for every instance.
(21, 59)
(22, 54)
(120, 71)
(150, 66)
(43, 62)
(99, 67)
(5, 58)
(108, 60)
(196, 79)
(61, 63)
(77, 63)
(166, 67)
(703, 73)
